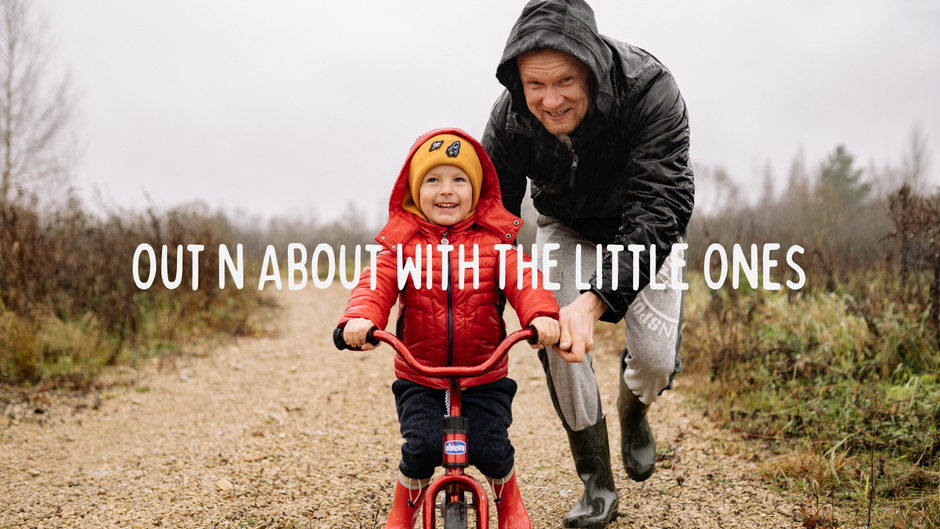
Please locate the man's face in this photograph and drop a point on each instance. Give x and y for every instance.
(556, 88)
(445, 195)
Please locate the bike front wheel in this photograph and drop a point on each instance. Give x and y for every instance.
(455, 515)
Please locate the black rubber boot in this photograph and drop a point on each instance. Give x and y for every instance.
(591, 452)
(637, 444)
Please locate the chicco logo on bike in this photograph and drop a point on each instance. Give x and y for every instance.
(454, 448)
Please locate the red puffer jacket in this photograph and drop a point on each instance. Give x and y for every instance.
(457, 326)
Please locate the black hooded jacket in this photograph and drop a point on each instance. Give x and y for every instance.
(627, 178)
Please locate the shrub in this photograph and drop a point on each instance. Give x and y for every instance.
(68, 300)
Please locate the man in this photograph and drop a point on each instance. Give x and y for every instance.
(600, 128)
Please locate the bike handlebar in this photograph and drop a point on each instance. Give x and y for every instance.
(377, 335)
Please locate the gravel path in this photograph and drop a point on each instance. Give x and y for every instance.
(288, 432)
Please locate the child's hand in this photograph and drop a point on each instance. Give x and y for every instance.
(549, 332)
(355, 332)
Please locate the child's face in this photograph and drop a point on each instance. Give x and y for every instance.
(445, 195)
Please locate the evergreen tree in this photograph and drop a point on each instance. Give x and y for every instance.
(839, 175)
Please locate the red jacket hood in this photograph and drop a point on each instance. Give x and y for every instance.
(490, 213)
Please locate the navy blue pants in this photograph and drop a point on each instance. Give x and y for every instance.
(421, 415)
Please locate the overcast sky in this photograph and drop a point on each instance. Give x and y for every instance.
(301, 107)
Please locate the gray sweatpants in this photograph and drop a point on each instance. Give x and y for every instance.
(652, 327)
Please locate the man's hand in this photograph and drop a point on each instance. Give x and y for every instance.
(355, 332)
(577, 327)
(548, 330)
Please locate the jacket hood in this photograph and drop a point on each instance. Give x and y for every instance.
(490, 213)
(567, 26)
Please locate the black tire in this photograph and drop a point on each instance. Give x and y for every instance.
(455, 515)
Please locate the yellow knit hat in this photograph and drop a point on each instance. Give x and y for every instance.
(443, 149)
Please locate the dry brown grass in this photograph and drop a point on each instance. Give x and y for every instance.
(69, 303)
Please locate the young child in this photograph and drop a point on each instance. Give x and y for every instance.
(448, 193)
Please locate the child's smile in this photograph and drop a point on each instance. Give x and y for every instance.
(445, 195)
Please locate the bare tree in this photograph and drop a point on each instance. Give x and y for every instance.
(34, 109)
(916, 160)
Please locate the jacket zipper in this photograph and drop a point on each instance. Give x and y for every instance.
(574, 165)
(450, 307)
(570, 142)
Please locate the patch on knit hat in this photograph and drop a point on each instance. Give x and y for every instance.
(453, 150)
(436, 145)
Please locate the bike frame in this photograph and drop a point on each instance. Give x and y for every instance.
(454, 481)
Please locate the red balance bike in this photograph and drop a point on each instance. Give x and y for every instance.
(454, 484)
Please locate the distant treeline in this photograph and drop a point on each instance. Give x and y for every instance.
(859, 228)
(354, 226)
(846, 218)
